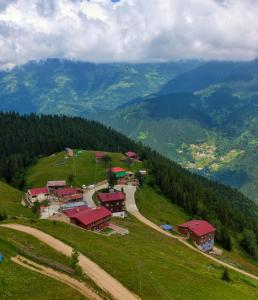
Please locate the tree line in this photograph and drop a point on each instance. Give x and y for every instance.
(25, 138)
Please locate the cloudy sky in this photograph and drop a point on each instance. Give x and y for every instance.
(127, 30)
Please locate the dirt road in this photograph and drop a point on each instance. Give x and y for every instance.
(61, 277)
(105, 281)
(131, 207)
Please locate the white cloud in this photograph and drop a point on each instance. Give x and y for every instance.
(129, 30)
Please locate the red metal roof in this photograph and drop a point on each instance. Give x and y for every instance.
(117, 170)
(74, 197)
(37, 191)
(66, 192)
(100, 154)
(88, 216)
(113, 196)
(199, 227)
(74, 211)
(130, 154)
(56, 183)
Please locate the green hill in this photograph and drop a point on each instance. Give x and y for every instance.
(37, 136)
(10, 202)
(82, 166)
(17, 282)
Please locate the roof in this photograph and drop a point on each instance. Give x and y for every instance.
(100, 154)
(117, 170)
(166, 227)
(130, 154)
(56, 183)
(69, 205)
(66, 192)
(113, 196)
(38, 191)
(74, 197)
(199, 227)
(89, 215)
(75, 210)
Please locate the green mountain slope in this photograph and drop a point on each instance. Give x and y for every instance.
(77, 88)
(211, 128)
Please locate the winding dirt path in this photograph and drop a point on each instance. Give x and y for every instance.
(131, 207)
(61, 277)
(104, 280)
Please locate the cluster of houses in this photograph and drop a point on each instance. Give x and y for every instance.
(111, 203)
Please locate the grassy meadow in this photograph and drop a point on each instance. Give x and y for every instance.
(10, 202)
(152, 265)
(83, 167)
(17, 282)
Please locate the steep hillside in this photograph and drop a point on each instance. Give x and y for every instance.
(10, 202)
(77, 88)
(209, 126)
(44, 135)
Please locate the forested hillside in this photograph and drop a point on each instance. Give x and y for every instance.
(208, 122)
(25, 138)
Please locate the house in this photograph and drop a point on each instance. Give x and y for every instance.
(37, 194)
(55, 185)
(88, 218)
(69, 152)
(118, 172)
(114, 202)
(69, 194)
(132, 155)
(73, 198)
(200, 232)
(99, 156)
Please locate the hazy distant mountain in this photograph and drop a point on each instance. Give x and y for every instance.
(78, 88)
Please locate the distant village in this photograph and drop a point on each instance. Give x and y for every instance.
(92, 207)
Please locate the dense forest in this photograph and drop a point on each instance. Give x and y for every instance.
(25, 138)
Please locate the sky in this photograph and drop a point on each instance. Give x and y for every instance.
(127, 30)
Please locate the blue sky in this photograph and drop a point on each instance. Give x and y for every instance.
(127, 30)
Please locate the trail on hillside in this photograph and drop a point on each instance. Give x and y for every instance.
(131, 207)
(104, 280)
(61, 277)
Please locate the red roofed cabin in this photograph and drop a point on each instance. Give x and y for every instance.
(132, 155)
(55, 185)
(88, 218)
(37, 194)
(69, 194)
(118, 172)
(200, 232)
(99, 156)
(114, 202)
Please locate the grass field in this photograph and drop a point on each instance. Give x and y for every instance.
(83, 167)
(152, 265)
(158, 208)
(10, 202)
(17, 282)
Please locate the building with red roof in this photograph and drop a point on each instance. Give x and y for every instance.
(56, 184)
(200, 232)
(37, 194)
(114, 202)
(88, 218)
(66, 192)
(118, 172)
(99, 156)
(132, 155)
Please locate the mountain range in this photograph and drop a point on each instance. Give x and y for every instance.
(203, 115)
